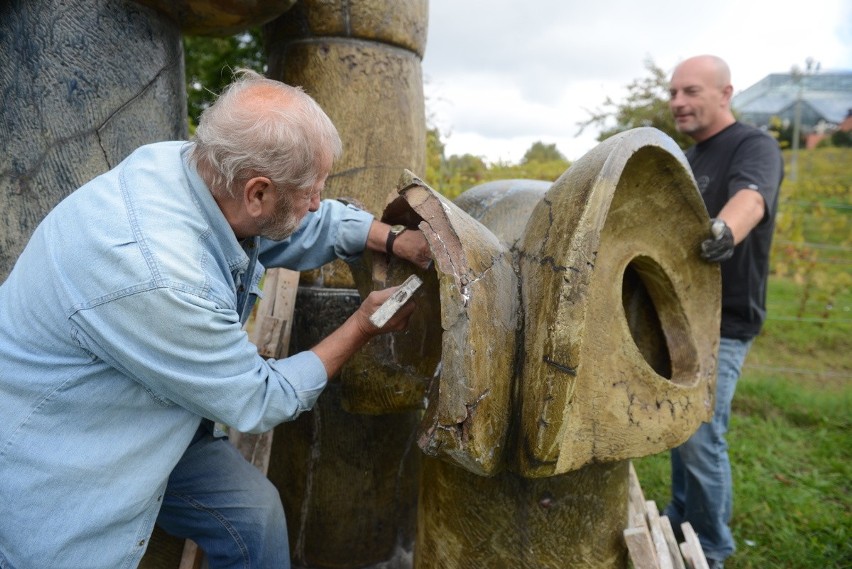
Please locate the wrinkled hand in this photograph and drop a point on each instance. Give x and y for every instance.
(398, 322)
(411, 245)
(721, 246)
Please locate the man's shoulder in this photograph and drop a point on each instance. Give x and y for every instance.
(743, 131)
(158, 153)
(735, 139)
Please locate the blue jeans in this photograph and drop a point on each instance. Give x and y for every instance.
(226, 505)
(702, 488)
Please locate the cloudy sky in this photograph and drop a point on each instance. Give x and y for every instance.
(500, 75)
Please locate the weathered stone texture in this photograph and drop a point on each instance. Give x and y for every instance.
(83, 84)
(348, 482)
(362, 62)
(628, 214)
(511, 522)
(218, 18)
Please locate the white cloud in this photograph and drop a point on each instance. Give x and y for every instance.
(503, 74)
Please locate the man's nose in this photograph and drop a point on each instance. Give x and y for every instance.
(315, 201)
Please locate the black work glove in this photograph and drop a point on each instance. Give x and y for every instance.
(721, 246)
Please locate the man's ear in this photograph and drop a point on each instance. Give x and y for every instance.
(259, 196)
(727, 93)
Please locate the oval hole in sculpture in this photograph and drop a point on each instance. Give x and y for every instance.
(656, 320)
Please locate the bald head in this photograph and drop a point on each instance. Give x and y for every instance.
(713, 68)
(700, 96)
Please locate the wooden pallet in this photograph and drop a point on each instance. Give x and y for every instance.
(650, 538)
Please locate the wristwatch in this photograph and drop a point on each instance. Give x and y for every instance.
(395, 231)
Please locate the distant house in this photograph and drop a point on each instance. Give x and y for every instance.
(826, 101)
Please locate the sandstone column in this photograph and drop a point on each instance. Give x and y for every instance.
(349, 481)
(361, 62)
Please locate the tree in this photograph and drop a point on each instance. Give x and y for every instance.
(781, 131)
(434, 155)
(647, 104)
(210, 63)
(540, 152)
(841, 138)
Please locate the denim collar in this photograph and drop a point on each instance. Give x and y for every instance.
(233, 250)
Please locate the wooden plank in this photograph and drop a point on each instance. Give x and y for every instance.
(696, 554)
(664, 559)
(671, 543)
(273, 323)
(270, 332)
(192, 557)
(285, 305)
(635, 501)
(255, 448)
(687, 555)
(641, 548)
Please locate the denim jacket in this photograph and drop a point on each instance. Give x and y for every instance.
(120, 329)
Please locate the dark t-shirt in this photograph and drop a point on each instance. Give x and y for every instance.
(741, 157)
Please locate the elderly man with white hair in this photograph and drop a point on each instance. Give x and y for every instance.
(121, 339)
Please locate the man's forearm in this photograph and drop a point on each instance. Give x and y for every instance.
(336, 348)
(742, 213)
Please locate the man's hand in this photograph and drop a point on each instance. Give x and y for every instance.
(397, 322)
(357, 330)
(411, 245)
(721, 246)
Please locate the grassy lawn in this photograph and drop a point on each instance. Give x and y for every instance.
(791, 433)
(791, 454)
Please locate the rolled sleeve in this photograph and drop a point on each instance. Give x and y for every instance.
(199, 358)
(306, 374)
(334, 231)
(758, 166)
(354, 226)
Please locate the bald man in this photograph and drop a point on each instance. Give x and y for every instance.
(739, 170)
(122, 341)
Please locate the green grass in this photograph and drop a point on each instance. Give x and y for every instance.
(791, 456)
(790, 436)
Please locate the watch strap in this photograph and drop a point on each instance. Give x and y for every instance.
(392, 235)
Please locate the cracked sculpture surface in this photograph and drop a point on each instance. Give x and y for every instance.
(562, 329)
(575, 334)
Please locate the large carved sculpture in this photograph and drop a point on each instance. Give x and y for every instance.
(558, 333)
(578, 334)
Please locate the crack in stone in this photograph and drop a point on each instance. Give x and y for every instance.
(561, 367)
(466, 286)
(547, 261)
(26, 176)
(360, 169)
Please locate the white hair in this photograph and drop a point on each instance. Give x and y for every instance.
(262, 127)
